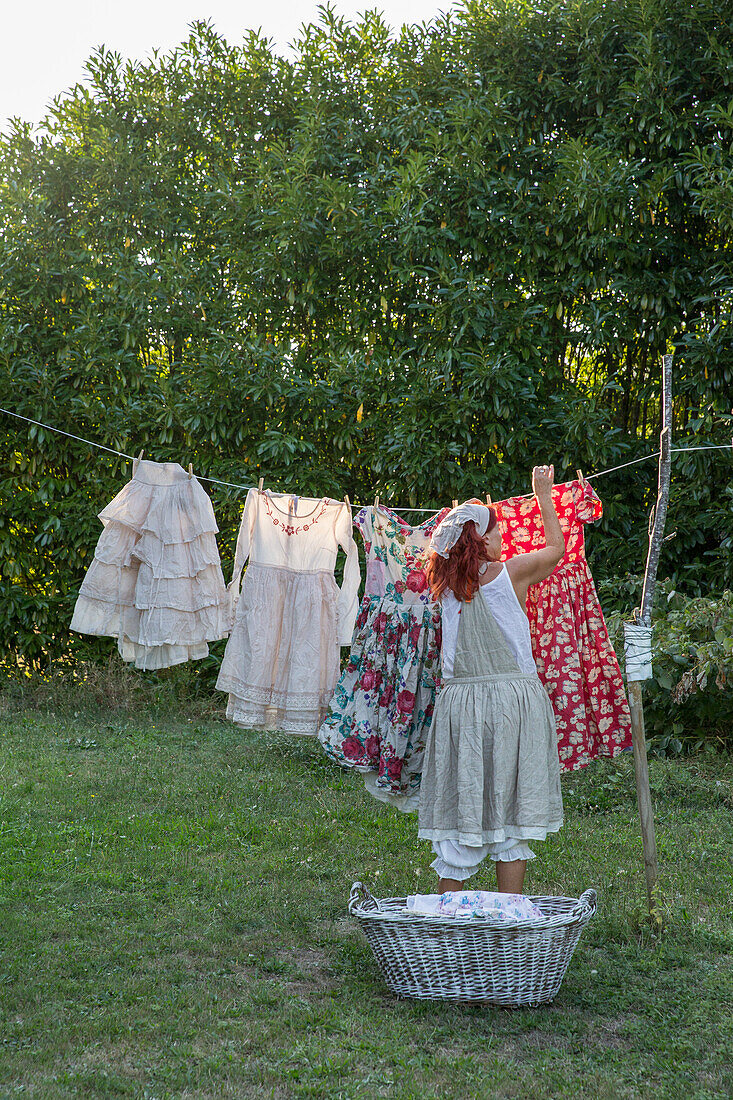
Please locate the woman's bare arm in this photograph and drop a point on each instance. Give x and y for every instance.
(526, 569)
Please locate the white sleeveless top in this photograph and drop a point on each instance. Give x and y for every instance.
(510, 618)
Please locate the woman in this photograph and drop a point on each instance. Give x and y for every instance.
(491, 776)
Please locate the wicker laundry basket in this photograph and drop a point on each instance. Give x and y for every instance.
(512, 963)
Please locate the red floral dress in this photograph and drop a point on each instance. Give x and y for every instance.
(574, 656)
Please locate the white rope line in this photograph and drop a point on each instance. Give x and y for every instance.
(246, 488)
(655, 454)
(708, 447)
(132, 458)
(644, 458)
(79, 439)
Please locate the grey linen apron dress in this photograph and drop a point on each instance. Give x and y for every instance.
(491, 771)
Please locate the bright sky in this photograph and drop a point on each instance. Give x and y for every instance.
(44, 43)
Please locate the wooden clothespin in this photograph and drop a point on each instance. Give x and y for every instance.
(136, 461)
(581, 479)
(454, 504)
(376, 502)
(347, 502)
(190, 470)
(261, 485)
(488, 499)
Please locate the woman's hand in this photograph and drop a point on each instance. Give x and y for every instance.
(543, 478)
(526, 569)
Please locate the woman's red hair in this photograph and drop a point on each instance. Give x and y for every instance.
(459, 571)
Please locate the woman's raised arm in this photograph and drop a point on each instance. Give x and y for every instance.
(526, 569)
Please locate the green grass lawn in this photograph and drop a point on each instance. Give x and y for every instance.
(172, 924)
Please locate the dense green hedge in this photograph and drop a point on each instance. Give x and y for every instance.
(485, 230)
(688, 702)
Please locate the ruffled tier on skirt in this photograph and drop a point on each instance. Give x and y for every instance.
(162, 500)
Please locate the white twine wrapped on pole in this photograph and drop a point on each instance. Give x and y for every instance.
(637, 652)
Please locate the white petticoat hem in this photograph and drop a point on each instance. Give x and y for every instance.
(292, 719)
(493, 836)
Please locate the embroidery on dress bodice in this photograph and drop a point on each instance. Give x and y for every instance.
(291, 529)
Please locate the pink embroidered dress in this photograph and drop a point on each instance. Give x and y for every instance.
(383, 704)
(281, 662)
(574, 656)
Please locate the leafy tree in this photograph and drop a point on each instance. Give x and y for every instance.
(484, 230)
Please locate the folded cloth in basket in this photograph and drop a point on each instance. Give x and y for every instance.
(474, 903)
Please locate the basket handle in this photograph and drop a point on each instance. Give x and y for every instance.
(587, 904)
(360, 896)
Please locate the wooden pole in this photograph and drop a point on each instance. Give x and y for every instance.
(644, 797)
(660, 512)
(644, 616)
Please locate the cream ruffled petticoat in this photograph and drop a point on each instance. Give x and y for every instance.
(156, 582)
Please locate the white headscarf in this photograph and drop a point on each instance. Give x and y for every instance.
(449, 530)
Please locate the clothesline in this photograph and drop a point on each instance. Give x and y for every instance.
(246, 488)
(155, 584)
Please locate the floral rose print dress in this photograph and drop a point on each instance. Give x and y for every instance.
(574, 656)
(383, 703)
